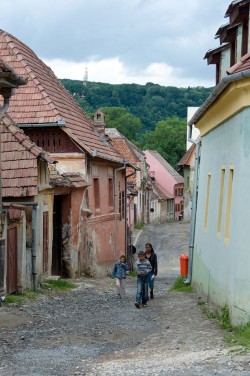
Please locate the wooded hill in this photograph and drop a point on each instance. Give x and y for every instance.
(151, 115)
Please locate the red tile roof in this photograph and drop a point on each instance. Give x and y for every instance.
(125, 148)
(185, 159)
(72, 180)
(241, 65)
(7, 73)
(45, 100)
(19, 160)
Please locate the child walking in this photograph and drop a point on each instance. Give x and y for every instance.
(142, 268)
(119, 273)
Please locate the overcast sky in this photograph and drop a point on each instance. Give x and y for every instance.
(120, 41)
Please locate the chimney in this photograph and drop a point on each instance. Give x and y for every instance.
(99, 122)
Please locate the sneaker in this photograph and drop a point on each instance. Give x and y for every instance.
(137, 305)
(144, 305)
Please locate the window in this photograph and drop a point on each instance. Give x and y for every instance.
(122, 204)
(229, 203)
(111, 192)
(207, 200)
(96, 193)
(219, 219)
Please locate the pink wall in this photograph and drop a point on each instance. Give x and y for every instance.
(164, 178)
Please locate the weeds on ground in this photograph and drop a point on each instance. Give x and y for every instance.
(179, 285)
(236, 336)
(50, 285)
(58, 285)
(13, 299)
(132, 273)
(139, 226)
(240, 336)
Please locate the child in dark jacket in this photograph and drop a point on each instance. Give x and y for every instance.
(152, 258)
(142, 268)
(119, 273)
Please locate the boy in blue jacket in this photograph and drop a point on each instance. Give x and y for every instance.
(120, 273)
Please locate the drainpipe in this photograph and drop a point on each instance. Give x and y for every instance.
(194, 206)
(126, 222)
(115, 194)
(34, 237)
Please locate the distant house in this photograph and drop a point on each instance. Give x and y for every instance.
(138, 181)
(168, 178)
(186, 166)
(161, 204)
(220, 268)
(88, 223)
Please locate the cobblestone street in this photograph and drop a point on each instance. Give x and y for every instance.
(89, 331)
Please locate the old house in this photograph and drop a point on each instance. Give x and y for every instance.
(161, 204)
(138, 181)
(88, 219)
(169, 179)
(186, 168)
(25, 179)
(220, 264)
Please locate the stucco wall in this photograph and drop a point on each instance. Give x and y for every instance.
(221, 266)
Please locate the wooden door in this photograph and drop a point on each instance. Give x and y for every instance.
(45, 241)
(11, 282)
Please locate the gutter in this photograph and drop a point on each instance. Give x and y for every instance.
(222, 85)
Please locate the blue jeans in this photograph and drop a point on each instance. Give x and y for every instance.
(142, 290)
(150, 280)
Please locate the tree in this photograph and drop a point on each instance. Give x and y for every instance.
(168, 138)
(123, 121)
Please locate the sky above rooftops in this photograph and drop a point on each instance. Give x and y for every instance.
(120, 41)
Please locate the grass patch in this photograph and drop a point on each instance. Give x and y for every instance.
(58, 285)
(224, 318)
(179, 285)
(132, 273)
(139, 226)
(240, 336)
(30, 294)
(13, 299)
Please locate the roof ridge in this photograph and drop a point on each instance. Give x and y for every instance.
(11, 41)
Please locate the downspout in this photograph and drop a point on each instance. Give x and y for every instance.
(126, 222)
(194, 206)
(115, 194)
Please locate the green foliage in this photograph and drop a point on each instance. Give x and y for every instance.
(150, 103)
(127, 124)
(59, 284)
(179, 285)
(224, 318)
(240, 336)
(168, 138)
(13, 299)
(30, 294)
(151, 116)
(139, 226)
(132, 273)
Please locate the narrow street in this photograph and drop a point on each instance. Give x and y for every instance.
(89, 331)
